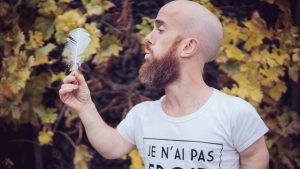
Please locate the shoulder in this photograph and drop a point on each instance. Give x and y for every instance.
(233, 102)
(145, 106)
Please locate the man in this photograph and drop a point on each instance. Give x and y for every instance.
(193, 126)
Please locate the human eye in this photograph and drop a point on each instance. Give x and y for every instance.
(160, 30)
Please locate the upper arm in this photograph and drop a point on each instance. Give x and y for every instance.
(120, 148)
(255, 156)
(125, 146)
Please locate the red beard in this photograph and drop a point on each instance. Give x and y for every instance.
(159, 73)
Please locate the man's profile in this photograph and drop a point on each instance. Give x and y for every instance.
(192, 125)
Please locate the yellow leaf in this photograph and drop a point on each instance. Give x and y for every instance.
(82, 157)
(276, 91)
(60, 76)
(136, 160)
(66, 22)
(263, 57)
(47, 7)
(145, 27)
(293, 72)
(232, 32)
(271, 74)
(10, 64)
(18, 80)
(256, 31)
(280, 56)
(41, 54)
(45, 137)
(248, 88)
(94, 45)
(35, 40)
(4, 8)
(14, 40)
(234, 53)
(110, 46)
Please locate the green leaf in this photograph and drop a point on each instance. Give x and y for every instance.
(44, 25)
(49, 116)
(97, 7)
(110, 46)
(145, 27)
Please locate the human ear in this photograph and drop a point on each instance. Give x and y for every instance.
(189, 48)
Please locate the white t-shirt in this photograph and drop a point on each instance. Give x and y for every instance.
(209, 138)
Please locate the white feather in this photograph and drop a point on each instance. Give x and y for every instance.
(78, 41)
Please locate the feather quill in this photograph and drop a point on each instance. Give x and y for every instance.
(77, 42)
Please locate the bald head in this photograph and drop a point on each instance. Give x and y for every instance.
(195, 21)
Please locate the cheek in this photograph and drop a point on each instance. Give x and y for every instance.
(159, 50)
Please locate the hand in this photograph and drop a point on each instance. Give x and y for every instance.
(75, 93)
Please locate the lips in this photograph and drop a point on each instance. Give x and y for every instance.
(147, 56)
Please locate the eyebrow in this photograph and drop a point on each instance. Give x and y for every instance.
(159, 23)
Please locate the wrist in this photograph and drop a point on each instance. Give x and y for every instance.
(89, 116)
(87, 108)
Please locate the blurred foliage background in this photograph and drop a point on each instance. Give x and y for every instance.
(259, 61)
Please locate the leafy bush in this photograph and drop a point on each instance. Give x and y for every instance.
(259, 61)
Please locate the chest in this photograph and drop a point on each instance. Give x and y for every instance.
(195, 143)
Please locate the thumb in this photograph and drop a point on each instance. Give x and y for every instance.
(80, 79)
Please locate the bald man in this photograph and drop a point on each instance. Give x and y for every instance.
(193, 126)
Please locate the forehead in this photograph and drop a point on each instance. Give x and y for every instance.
(168, 17)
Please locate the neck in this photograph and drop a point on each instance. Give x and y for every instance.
(185, 96)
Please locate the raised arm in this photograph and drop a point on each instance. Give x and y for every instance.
(105, 139)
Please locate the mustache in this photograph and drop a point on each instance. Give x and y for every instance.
(148, 48)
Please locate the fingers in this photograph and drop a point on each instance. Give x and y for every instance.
(70, 79)
(75, 78)
(80, 79)
(67, 88)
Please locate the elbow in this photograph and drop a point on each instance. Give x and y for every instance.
(109, 156)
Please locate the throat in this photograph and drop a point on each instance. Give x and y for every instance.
(180, 110)
(183, 106)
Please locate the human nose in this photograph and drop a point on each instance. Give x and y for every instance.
(149, 39)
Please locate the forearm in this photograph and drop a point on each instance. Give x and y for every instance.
(104, 138)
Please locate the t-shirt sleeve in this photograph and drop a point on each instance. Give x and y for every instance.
(247, 126)
(127, 126)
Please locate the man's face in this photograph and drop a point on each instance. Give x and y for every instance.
(162, 61)
(158, 72)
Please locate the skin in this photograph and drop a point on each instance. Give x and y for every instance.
(201, 34)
